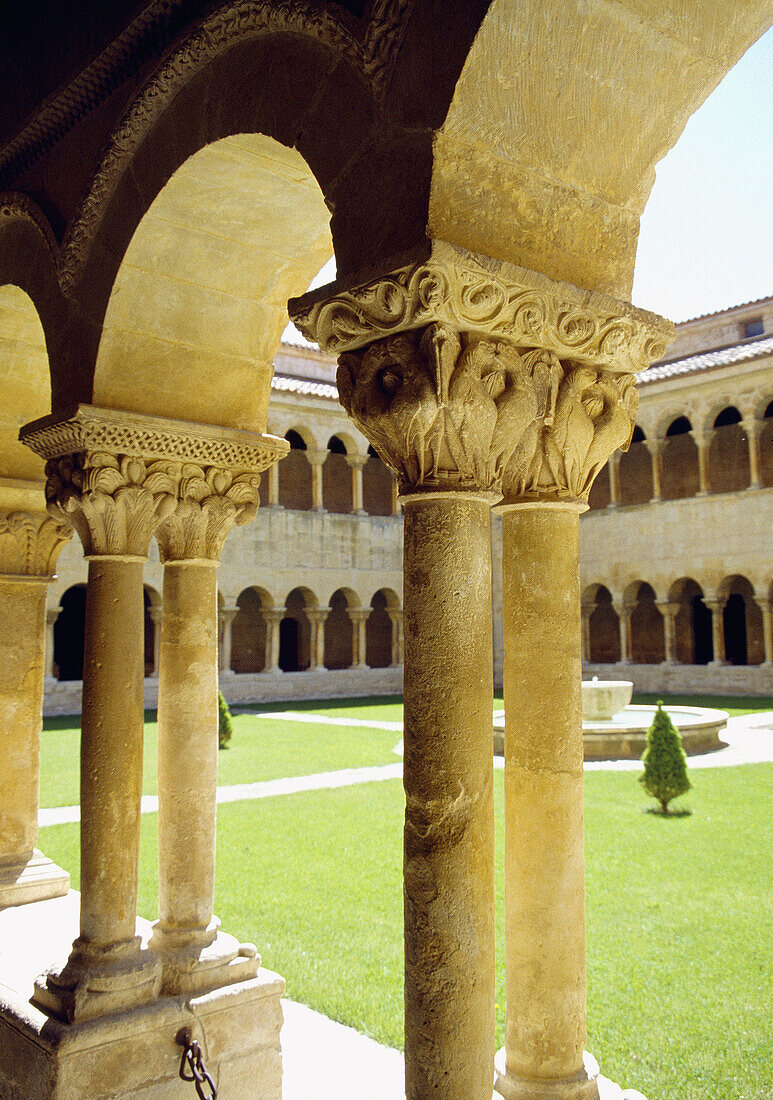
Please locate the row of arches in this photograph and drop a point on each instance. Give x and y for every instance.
(255, 636)
(337, 479)
(732, 455)
(691, 627)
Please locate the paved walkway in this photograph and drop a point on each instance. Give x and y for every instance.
(749, 740)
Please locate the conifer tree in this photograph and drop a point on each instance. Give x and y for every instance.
(225, 724)
(665, 764)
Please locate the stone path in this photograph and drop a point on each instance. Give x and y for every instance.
(749, 740)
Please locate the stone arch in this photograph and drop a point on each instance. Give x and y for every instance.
(766, 445)
(294, 472)
(337, 476)
(339, 629)
(693, 642)
(376, 486)
(729, 469)
(680, 476)
(742, 622)
(295, 631)
(603, 625)
(380, 629)
(248, 630)
(648, 639)
(68, 634)
(636, 471)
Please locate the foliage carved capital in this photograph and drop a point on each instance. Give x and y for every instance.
(210, 502)
(30, 543)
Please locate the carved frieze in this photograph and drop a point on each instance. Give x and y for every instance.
(30, 543)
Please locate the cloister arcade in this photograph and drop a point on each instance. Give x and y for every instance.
(173, 174)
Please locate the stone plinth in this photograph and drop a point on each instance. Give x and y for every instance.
(132, 1054)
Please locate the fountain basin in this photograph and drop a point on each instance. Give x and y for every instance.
(624, 737)
(602, 699)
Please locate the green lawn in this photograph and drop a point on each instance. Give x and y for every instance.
(680, 966)
(733, 704)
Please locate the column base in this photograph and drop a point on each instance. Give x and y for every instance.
(588, 1084)
(194, 963)
(34, 879)
(98, 981)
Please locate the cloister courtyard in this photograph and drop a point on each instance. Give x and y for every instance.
(680, 977)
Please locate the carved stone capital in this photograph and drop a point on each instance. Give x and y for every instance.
(30, 543)
(468, 374)
(117, 476)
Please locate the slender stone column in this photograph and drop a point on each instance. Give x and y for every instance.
(614, 481)
(273, 617)
(396, 617)
(753, 427)
(669, 609)
(357, 464)
(227, 616)
(28, 551)
(586, 610)
(395, 498)
(717, 609)
(52, 614)
(316, 460)
(766, 607)
(317, 617)
(624, 618)
(359, 617)
(703, 442)
(272, 475)
(464, 410)
(156, 617)
(655, 448)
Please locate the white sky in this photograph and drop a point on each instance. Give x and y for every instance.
(706, 238)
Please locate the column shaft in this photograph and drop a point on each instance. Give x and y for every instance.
(273, 618)
(227, 616)
(669, 612)
(52, 615)
(703, 441)
(656, 455)
(449, 842)
(273, 485)
(766, 607)
(586, 614)
(544, 853)
(187, 748)
(752, 429)
(614, 480)
(624, 615)
(717, 608)
(111, 751)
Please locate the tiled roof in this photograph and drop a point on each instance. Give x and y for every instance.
(284, 384)
(727, 309)
(707, 360)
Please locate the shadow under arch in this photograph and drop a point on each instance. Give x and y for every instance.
(381, 629)
(249, 633)
(603, 625)
(693, 642)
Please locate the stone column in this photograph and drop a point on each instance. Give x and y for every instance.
(357, 464)
(212, 497)
(396, 617)
(766, 607)
(272, 475)
(717, 609)
(624, 616)
(317, 616)
(753, 427)
(156, 617)
(465, 409)
(614, 481)
(359, 617)
(655, 448)
(395, 498)
(703, 443)
(52, 614)
(316, 460)
(273, 617)
(226, 617)
(586, 610)
(669, 609)
(30, 542)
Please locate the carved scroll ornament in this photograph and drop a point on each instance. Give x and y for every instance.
(446, 411)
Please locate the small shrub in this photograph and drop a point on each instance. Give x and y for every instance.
(225, 726)
(665, 764)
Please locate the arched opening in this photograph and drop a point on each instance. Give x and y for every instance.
(294, 473)
(648, 639)
(604, 628)
(380, 630)
(693, 644)
(742, 622)
(766, 447)
(679, 477)
(248, 632)
(336, 478)
(729, 453)
(636, 471)
(600, 494)
(376, 486)
(295, 632)
(68, 634)
(339, 632)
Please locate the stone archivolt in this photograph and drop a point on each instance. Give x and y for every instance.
(30, 543)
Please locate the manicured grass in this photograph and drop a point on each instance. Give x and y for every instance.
(733, 704)
(680, 968)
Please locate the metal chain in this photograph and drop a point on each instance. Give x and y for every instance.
(192, 1066)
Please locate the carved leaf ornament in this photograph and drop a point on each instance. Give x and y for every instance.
(210, 502)
(30, 543)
